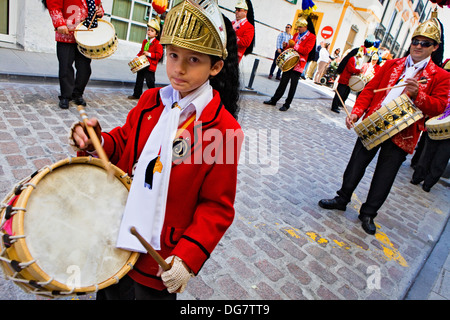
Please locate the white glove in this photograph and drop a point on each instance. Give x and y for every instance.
(177, 277)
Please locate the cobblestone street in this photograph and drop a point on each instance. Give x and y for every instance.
(281, 245)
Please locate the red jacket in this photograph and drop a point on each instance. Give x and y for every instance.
(244, 34)
(200, 201)
(156, 51)
(349, 70)
(303, 49)
(431, 99)
(69, 13)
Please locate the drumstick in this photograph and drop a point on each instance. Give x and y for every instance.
(96, 142)
(343, 104)
(155, 255)
(75, 30)
(398, 86)
(93, 17)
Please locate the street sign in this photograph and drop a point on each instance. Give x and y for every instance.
(326, 32)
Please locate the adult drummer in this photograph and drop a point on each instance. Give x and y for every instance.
(430, 97)
(66, 15)
(305, 41)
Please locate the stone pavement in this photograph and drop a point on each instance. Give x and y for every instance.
(281, 244)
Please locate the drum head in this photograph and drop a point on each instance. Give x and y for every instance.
(98, 36)
(71, 225)
(356, 83)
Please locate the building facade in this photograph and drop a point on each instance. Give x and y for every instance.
(343, 23)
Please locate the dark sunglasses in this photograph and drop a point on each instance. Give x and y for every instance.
(424, 44)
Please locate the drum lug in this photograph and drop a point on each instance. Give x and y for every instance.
(7, 240)
(8, 212)
(16, 265)
(18, 189)
(35, 284)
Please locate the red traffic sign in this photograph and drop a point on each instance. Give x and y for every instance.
(326, 32)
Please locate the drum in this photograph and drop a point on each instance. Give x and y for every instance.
(59, 228)
(138, 63)
(99, 43)
(356, 83)
(387, 121)
(438, 128)
(287, 59)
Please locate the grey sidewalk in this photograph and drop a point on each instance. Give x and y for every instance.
(281, 244)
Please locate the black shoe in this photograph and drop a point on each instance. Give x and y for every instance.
(334, 203)
(426, 188)
(133, 97)
(415, 181)
(79, 101)
(367, 224)
(271, 102)
(64, 103)
(335, 110)
(284, 108)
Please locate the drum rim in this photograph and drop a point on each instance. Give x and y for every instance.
(21, 251)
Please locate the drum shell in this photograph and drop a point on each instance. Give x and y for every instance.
(288, 59)
(438, 129)
(102, 50)
(19, 250)
(387, 121)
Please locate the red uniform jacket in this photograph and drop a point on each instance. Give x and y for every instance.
(303, 49)
(68, 13)
(244, 34)
(200, 201)
(156, 51)
(431, 99)
(349, 70)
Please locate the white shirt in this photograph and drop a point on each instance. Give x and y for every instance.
(324, 55)
(196, 101)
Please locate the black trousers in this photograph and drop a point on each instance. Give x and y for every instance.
(293, 77)
(343, 91)
(432, 162)
(72, 85)
(389, 161)
(128, 289)
(149, 77)
(274, 65)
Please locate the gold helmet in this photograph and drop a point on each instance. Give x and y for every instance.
(430, 29)
(196, 25)
(154, 24)
(301, 22)
(242, 4)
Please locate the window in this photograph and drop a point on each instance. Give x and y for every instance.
(130, 18)
(4, 17)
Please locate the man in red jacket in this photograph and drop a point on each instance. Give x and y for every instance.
(430, 97)
(66, 15)
(305, 41)
(245, 31)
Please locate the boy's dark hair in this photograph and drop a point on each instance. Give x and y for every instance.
(227, 81)
(44, 2)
